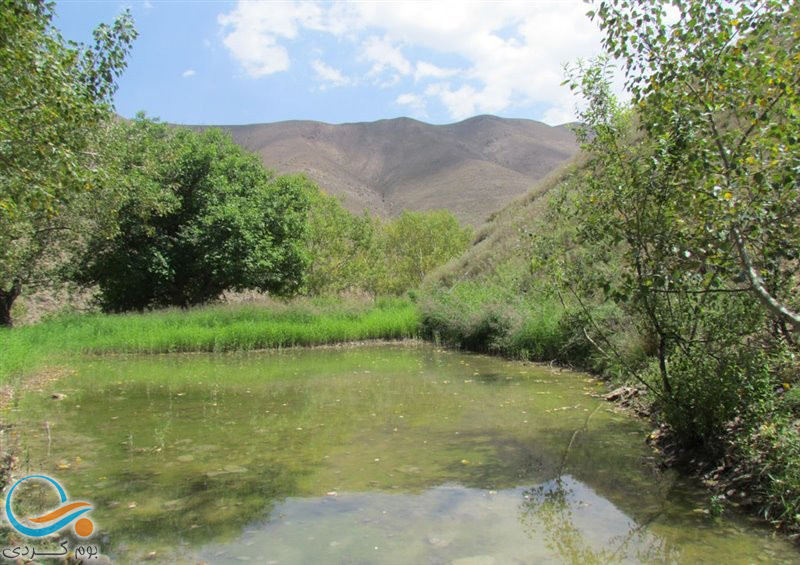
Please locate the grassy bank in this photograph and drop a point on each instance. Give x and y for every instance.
(753, 463)
(212, 328)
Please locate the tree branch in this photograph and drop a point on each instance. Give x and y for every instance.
(759, 287)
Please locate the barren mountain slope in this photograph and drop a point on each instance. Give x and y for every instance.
(472, 167)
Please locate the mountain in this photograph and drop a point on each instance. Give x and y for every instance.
(471, 167)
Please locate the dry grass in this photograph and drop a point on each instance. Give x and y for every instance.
(505, 237)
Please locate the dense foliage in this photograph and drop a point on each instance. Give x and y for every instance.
(360, 253)
(705, 205)
(54, 96)
(199, 216)
(190, 215)
(343, 247)
(415, 243)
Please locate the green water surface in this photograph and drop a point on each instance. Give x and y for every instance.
(378, 454)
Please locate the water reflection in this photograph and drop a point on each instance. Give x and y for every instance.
(322, 456)
(563, 510)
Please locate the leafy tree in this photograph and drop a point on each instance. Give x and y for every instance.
(718, 91)
(343, 248)
(697, 191)
(54, 96)
(200, 216)
(415, 243)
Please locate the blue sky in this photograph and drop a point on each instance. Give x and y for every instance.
(217, 62)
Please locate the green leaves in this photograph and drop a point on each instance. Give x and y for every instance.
(698, 189)
(197, 215)
(417, 242)
(360, 253)
(54, 98)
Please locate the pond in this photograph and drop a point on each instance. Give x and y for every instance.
(377, 454)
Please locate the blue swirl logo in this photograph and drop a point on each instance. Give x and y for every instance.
(60, 517)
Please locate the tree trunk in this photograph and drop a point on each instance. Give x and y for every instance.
(7, 298)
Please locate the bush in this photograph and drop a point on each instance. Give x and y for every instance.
(708, 393)
(490, 318)
(771, 455)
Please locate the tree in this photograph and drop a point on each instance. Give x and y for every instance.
(200, 216)
(343, 247)
(415, 243)
(719, 91)
(54, 97)
(696, 190)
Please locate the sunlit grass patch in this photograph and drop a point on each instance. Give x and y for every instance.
(211, 328)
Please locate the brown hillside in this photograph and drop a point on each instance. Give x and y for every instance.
(472, 167)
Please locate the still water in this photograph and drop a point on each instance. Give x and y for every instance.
(378, 454)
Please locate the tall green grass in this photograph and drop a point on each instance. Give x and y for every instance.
(497, 317)
(212, 328)
(491, 318)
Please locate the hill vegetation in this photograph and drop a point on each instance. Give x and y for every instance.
(182, 217)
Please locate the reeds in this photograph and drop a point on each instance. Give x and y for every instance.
(211, 328)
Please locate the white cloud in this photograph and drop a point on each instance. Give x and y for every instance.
(414, 101)
(252, 30)
(329, 74)
(558, 114)
(425, 70)
(508, 53)
(188, 73)
(384, 56)
(147, 5)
